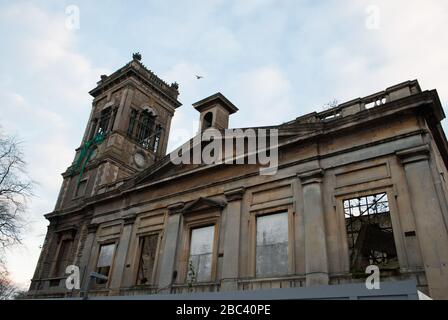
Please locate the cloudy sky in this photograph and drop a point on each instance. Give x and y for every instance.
(275, 60)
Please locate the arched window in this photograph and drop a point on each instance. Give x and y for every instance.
(207, 120)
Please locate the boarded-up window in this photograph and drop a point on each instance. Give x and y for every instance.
(272, 244)
(148, 247)
(201, 252)
(369, 232)
(105, 259)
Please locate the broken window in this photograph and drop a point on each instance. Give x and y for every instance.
(63, 258)
(369, 232)
(104, 263)
(156, 142)
(148, 251)
(105, 116)
(201, 252)
(145, 128)
(272, 244)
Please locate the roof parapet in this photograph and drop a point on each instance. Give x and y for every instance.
(399, 91)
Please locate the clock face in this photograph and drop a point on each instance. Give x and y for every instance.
(139, 159)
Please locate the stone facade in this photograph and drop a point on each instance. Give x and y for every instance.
(135, 218)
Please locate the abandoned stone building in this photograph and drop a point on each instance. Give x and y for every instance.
(362, 183)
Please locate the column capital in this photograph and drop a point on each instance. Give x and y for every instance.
(176, 208)
(234, 194)
(130, 218)
(92, 227)
(413, 154)
(312, 176)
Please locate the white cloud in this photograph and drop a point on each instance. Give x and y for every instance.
(48, 111)
(263, 95)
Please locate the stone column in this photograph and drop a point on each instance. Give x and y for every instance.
(431, 230)
(170, 246)
(122, 250)
(230, 265)
(316, 259)
(84, 261)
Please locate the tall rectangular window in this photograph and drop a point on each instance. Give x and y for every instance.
(148, 251)
(103, 127)
(132, 121)
(63, 257)
(105, 260)
(272, 245)
(201, 253)
(369, 232)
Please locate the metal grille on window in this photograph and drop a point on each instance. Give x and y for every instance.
(201, 251)
(106, 114)
(369, 232)
(144, 130)
(132, 121)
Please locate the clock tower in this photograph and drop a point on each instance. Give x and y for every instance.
(127, 131)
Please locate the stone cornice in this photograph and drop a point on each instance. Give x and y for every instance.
(414, 154)
(313, 176)
(130, 218)
(92, 228)
(234, 194)
(176, 208)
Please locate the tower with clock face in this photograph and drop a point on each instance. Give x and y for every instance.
(127, 131)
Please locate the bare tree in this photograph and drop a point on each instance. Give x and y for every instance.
(15, 189)
(7, 289)
(330, 104)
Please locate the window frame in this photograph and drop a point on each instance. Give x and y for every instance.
(153, 279)
(252, 265)
(395, 222)
(210, 219)
(111, 269)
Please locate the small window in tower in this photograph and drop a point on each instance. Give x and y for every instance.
(105, 260)
(207, 120)
(132, 121)
(106, 114)
(369, 232)
(145, 129)
(148, 251)
(157, 136)
(201, 253)
(272, 245)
